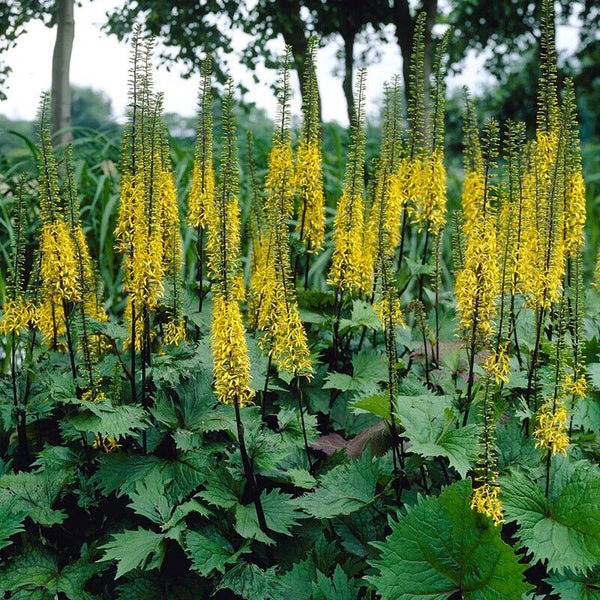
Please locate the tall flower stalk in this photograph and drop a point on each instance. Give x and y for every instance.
(203, 182)
(309, 171)
(230, 352)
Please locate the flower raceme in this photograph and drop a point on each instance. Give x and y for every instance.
(19, 314)
(309, 182)
(476, 285)
(348, 226)
(230, 353)
(426, 184)
(551, 431)
(59, 265)
(486, 500)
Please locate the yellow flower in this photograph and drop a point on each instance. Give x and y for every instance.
(201, 194)
(58, 265)
(174, 332)
(18, 315)
(497, 365)
(575, 387)
(397, 200)
(107, 443)
(427, 191)
(388, 311)
(289, 347)
(576, 213)
(550, 432)
(230, 353)
(476, 285)
(346, 263)
(471, 199)
(486, 500)
(309, 182)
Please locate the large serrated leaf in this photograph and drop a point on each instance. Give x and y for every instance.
(253, 583)
(133, 549)
(442, 548)
(563, 529)
(210, 551)
(280, 516)
(368, 369)
(103, 418)
(343, 490)
(576, 587)
(35, 573)
(11, 518)
(34, 494)
(430, 425)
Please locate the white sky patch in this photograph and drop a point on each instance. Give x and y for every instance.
(101, 62)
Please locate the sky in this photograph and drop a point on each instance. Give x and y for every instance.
(101, 62)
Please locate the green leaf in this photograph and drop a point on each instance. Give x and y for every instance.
(363, 315)
(343, 490)
(378, 404)
(576, 587)
(442, 548)
(280, 515)
(36, 570)
(144, 585)
(593, 371)
(133, 549)
(105, 419)
(253, 583)
(368, 369)
(119, 472)
(338, 587)
(183, 510)
(563, 529)
(34, 494)
(150, 500)
(430, 425)
(11, 518)
(222, 490)
(210, 551)
(418, 268)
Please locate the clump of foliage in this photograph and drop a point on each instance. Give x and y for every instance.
(240, 396)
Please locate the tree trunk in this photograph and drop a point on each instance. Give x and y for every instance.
(348, 68)
(61, 61)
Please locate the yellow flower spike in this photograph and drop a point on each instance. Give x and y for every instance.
(58, 265)
(18, 315)
(471, 199)
(346, 271)
(476, 285)
(230, 353)
(497, 365)
(202, 189)
(174, 332)
(551, 431)
(485, 499)
(201, 196)
(347, 257)
(389, 309)
(575, 387)
(309, 181)
(427, 191)
(576, 214)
